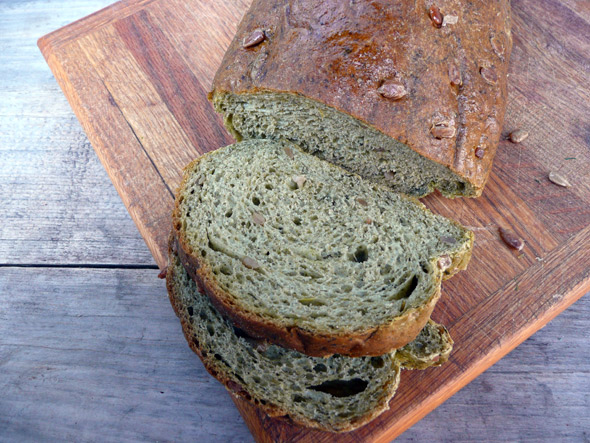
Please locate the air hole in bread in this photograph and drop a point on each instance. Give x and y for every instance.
(377, 362)
(311, 302)
(341, 388)
(256, 200)
(406, 289)
(424, 267)
(320, 367)
(361, 254)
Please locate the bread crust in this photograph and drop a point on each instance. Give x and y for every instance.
(343, 52)
(237, 390)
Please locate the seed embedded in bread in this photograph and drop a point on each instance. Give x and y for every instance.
(258, 218)
(443, 129)
(254, 39)
(393, 90)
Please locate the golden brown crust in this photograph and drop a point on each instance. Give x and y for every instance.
(343, 52)
(237, 390)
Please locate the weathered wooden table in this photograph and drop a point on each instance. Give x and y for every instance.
(90, 349)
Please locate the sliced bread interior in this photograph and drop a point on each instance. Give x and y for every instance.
(338, 138)
(335, 394)
(300, 252)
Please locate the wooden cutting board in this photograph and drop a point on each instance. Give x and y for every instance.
(137, 73)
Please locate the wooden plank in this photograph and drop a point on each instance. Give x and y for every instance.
(548, 94)
(202, 47)
(81, 84)
(98, 355)
(138, 379)
(133, 97)
(178, 87)
(58, 205)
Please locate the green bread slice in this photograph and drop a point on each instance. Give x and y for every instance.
(432, 347)
(308, 256)
(338, 138)
(333, 394)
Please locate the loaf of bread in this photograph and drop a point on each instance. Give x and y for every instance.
(410, 94)
(300, 252)
(333, 394)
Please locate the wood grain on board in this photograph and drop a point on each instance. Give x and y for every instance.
(137, 73)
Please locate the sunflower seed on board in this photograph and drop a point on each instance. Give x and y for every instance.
(518, 136)
(559, 180)
(511, 239)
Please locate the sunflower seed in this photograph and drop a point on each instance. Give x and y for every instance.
(393, 90)
(250, 263)
(258, 219)
(444, 262)
(489, 74)
(559, 180)
(254, 39)
(518, 136)
(455, 75)
(511, 239)
(443, 129)
(436, 16)
(299, 180)
(289, 152)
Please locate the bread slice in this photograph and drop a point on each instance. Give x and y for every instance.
(432, 347)
(296, 250)
(334, 394)
(402, 93)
